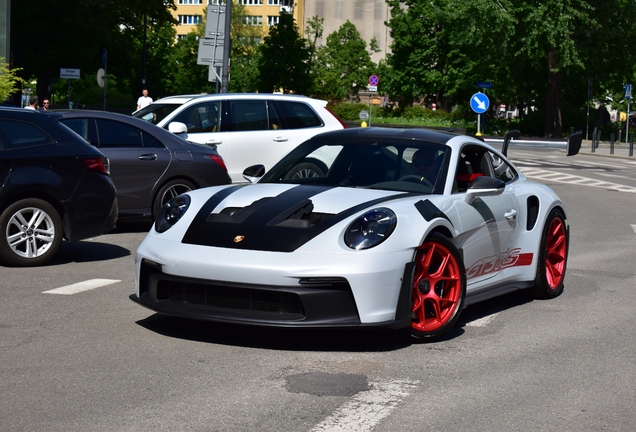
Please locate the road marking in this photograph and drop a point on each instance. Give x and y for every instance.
(482, 322)
(634, 227)
(81, 286)
(573, 179)
(366, 409)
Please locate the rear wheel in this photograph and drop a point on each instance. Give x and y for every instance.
(552, 259)
(439, 288)
(168, 191)
(31, 233)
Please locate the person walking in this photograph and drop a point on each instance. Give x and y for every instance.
(144, 99)
(46, 105)
(33, 103)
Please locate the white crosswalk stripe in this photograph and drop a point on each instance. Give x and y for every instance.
(81, 286)
(546, 175)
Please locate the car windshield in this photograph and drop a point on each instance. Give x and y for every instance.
(155, 112)
(401, 165)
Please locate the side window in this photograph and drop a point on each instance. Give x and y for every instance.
(473, 162)
(79, 126)
(150, 141)
(248, 115)
(202, 117)
(501, 169)
(17, 134)
(116, 134)
(298, 115)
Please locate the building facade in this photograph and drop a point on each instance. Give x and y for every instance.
(261, 13)
(368, 16)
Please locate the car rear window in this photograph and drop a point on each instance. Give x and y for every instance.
(18, 134)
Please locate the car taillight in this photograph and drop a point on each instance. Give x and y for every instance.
(344, 126)
(219, 160)
(98, 164)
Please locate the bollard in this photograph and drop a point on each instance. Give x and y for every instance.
(620, 135)
(594, 135)
(612, 144)
(572, 130)
(631, 145)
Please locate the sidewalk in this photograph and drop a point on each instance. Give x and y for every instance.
(621, 150)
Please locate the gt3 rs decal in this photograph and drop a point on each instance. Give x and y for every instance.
(280, 223)
(510, 258)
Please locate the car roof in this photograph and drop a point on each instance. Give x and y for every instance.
(430, 135)
(213, 96)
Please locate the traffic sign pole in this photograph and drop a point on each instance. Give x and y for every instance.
(628, 96)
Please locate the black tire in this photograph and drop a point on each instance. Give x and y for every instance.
(552, 257)
(304, 170)
(31, 233)
(438, 294)
(168, 191)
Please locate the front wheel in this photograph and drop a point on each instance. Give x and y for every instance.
(31, 233)
(439, 288)
(304, 170)
(168, 191)
(553, 255)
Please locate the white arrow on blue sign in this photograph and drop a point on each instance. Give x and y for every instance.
(628, 91)
(479, 103)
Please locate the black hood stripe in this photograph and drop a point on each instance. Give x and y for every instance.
(262, 228)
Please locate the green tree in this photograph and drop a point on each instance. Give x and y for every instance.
(284, 59)
(344, 64)
(9, 81)
(49, 35)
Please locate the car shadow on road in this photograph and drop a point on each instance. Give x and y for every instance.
(326, 340)
(87, 251)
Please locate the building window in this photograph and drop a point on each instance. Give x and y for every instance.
(273, 20)
(189, 19)
(190, 2)
(216, 2)
(338, 11)
(273, 2)
(181, 36)
(253, 20)
(320, 8)
(250, 2)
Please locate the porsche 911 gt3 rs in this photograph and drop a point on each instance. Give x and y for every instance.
(376, 241)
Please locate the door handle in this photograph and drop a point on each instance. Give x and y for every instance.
(148, 157)
(511, 215)
(213, 142)
(280, 139)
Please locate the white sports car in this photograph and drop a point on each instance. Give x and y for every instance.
(405, 229)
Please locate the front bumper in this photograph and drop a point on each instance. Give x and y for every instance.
(312, 301)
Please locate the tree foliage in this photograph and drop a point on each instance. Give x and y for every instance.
(343, 64)
(9, 81)
(284, 57)
(538, 53)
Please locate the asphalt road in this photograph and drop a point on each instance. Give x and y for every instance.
(95, 361)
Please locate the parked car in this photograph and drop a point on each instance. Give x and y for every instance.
(247, 128)
(149, 165)
(159, 109)
(405, 229)
(53, 186)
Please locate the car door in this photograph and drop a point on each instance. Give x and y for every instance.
(5, 165)
(137, 161)
(488, 224)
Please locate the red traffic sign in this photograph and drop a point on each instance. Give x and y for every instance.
(374, 80)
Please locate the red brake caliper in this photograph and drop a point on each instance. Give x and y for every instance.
(436, 287)
(555, 253)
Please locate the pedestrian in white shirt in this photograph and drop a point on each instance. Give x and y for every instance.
(144, 99)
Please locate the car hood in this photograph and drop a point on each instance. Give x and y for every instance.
(277, 217)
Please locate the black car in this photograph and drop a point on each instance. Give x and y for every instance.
(53, 186)
(149, 165)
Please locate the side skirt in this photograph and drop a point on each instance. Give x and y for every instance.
(476, 296)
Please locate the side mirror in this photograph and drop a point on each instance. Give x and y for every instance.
(574, 143)
(254, 173)
(177, 128)
(484, 186)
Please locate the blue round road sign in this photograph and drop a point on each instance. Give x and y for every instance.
(374, 80)
(479, 103)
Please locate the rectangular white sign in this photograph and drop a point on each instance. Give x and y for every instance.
(69, 73)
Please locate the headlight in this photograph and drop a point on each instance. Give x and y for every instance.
(370, 229)
(171, 212)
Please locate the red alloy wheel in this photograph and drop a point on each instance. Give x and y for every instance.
(556, 251)
(437, 287)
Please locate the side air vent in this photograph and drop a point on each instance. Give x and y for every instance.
(533, 212)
